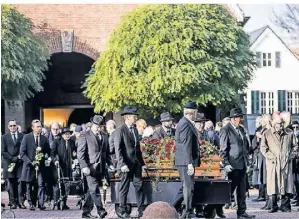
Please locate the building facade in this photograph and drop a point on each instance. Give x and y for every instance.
(75, 35)
(275, 85)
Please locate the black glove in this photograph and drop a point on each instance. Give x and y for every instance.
(14, 159)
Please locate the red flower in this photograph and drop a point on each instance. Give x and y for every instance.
(201, 142)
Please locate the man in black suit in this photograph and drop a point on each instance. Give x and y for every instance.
(32, 144)
(187, 156)
(130, 162)
(62, 153)
(166, 130)
(92, 149)
(234, 147)
(10, 149)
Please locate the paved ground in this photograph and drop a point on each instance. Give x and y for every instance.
(253, 208)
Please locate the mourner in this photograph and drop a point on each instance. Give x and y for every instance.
(10, 151)
(111, 126)
(140, 125)
(234, 147)
(62, 153)
(278, 146)
(187, 157)
(90, 156)
(166, 130)
(130, 162)
(295, 128)
(78, 133)
(32, 144)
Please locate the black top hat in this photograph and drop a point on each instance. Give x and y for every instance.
(236, 112)
(200, 117)
(295, 122)
(129, 110)
(166, 117)
(65, 130)
(97, 119)
(190, 105)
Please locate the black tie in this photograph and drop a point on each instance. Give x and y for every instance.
(14, 138)
(36, 141)
(132, 131)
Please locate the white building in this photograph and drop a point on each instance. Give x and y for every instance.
(275, 84)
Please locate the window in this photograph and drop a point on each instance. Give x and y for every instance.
(277, 60)
(292, 102)
(267, 102)
(266, 59)
(262, 102)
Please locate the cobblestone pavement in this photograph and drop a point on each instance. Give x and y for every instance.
(74, 212)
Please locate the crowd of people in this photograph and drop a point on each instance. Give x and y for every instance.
(98, 146)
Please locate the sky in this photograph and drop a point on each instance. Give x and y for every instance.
(262, 15)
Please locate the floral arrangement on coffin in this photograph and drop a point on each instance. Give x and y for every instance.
(158, 152)
(209, 156)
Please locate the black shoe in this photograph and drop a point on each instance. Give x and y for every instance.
(296, 203)
(65, 207)
(199, 215)
(22, 206)
(259, 199)
(102, 214)
(32, 208)
(88, 215)
(13, 206)
(140, 214)
(284, 209)
(273, 210)
(42, 208)
(245, 215)
(124, 215)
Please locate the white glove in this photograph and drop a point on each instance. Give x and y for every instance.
(190, 171)
(228, 168)
(47, 163)
(56, 162)
(86, 171)
(143, 168)
(111, 168)
(124, 169)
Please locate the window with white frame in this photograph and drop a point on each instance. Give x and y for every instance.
(266, 59)
(292, 101)
(267, 102)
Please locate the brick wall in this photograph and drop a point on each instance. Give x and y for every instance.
(92, 24)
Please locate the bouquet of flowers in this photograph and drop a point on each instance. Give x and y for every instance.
(207, 149)
(37, 159)
(11, 167)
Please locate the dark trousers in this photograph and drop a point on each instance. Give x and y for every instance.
(286, 201)
(15, 191)
(238, 178)
(40, 193)
(262, 190)
(134, 174)
(93, 195)
(187, 188)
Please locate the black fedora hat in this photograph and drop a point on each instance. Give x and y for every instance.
(97, 119)
(236, 112)
(190, 105)
(166, 117)
(200, 117)
(295, 122)
(65, 130)
(129, 110)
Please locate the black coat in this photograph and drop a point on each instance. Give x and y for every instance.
(233, 148)
(91, 152)
(28, 152)
(10, 151)
(64, 156)
(125, 150)
(187, 145)
(51, 139)
(160, 133)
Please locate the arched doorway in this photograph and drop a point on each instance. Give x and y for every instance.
(62, 93)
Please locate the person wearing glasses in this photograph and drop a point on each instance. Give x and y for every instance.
(10, 149)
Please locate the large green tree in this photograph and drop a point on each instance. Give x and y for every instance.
(162, 55)
(23, 56)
